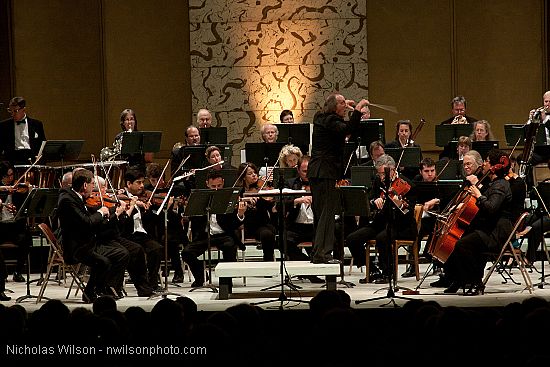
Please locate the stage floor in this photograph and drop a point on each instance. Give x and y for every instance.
(497, 293)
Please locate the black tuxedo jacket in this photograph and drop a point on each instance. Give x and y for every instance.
(7, 138)
(78, 225)
(328, 142)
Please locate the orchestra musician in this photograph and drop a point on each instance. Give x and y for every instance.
(20, 136)
(541, 154)
(458, 116)
(140, 217)
(286, 117)
(223, 229)
(482, 131)
(78, 228)
(464, 145)
(260, 216)
(128, 124)
(326, 167)
(204, 118)
(109, 233)
(14, 229)
(300, 217)
(488, 229)
(376, 150)
(403, 131)
(401, 223)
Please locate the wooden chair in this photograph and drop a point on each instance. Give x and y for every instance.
(508, 250)
(370, 244)
(55, 258)
(412, 247)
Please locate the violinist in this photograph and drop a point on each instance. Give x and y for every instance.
(79, 227)
(260, 216)
(223, 229)
(12, 229)
(109, 233)
(177, 233)
(401, 222)
(137, 225)
(487, 231)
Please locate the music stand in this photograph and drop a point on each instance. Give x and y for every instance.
(141, 142)
(483, 147)
(371, 130)
(39, 203)
(196, 154)
(213, 135)
(297, 134)
(363, 176)
(61, 150)
(286, 172)
(354, 201)
(208, 201)
(449, 169)
(407, 157)
(514, 134)
(444, 190)
(263, 154)
(451, 132)
(226, 151)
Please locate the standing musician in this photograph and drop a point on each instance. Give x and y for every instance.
(541, 154)
(401, 222)
(12, 229)
(489, 228)
(139, 218)
(20, 136)
(326, 167)
(260, 216)
(223, 229)
(79, 227)
(128, 124)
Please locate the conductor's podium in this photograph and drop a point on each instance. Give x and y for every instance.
(227, 270)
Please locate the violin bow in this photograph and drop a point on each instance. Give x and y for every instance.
(443, 169)
(240, 175)
(179, 167)
(96, 178)
(268, 175)
(109, 183)
(27, 171)
(158, 181)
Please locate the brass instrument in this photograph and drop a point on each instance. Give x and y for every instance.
(110, 153)
(459, 119)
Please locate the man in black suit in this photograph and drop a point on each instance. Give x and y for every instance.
(20, 135)
(223, 229)
(326, 167)
(79, 228)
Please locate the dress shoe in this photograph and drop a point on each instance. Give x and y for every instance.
(442, 282)
(363, 280)
(382, 280)
(453, 288)
(178, 278)
(197, 284)
(17, 277)
(315, 279)
(409, 273)
(3, 297)
(89, 297)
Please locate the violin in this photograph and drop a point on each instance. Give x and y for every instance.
(96, 201)
(398, 189)
(21, 188)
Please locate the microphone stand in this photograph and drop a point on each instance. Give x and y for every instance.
(164, 207)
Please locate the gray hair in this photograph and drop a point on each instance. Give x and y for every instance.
(384, 160)
(476, 156)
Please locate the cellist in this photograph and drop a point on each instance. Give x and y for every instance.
(488, 229)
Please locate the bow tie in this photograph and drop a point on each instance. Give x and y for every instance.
(20, 122)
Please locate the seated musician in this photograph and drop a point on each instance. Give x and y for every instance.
(223, 229)
(300, 217)
(12, 229)
(260, 217)
(109, 233)
(78, 228)
(270, 134)
(487, 231)
(214, 155)
(463, 145)
(458, 116)
(137, 225)
(388, 215)
(482, 131)
(177, 233)
(403, 131)
(376, 149)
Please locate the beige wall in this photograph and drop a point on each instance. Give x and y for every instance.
(79, 63)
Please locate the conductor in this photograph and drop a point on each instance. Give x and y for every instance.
(326, 167)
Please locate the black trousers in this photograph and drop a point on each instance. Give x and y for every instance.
(466, 263)
(154, 253)
(107, 264)
(325, 206)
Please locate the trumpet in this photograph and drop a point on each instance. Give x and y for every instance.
(536, 113)
(459, 119)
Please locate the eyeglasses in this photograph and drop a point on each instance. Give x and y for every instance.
(12, 111)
